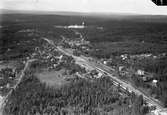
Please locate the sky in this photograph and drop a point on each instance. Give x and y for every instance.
(107, 6)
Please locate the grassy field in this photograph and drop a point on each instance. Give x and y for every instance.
(54, 78)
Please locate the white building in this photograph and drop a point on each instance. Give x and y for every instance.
(124, 56)
(155, 82)
(140, 72)
(77, 26)
(120, 68)
(99, 75)
(105, 62)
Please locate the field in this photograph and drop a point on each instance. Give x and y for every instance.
(54, 78)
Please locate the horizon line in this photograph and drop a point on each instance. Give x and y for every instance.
(5, 11)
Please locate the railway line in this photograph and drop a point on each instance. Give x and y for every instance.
(116, 80)
(108, 71)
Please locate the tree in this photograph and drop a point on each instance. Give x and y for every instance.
(137, 105)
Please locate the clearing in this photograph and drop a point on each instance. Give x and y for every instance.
(53, 78)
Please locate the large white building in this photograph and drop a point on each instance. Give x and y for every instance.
(77, 26)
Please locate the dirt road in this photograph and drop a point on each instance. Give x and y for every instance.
(4, 99)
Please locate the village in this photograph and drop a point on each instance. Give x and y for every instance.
(123, 66)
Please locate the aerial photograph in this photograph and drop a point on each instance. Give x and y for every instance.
(83, 57)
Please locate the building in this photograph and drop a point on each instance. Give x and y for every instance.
(154, 82)
(99, 75)
(105, 62)
(121, 68)
(76, 26)
(124, 56)
(140, 72)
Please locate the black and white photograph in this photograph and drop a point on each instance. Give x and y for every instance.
(83, 57)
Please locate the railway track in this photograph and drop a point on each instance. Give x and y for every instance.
(103, 69)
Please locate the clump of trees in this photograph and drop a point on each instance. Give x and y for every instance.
(80, 96)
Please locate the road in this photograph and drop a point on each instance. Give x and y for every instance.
(3, 101)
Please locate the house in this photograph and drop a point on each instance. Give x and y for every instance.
(7, 85)
(99, 75)
(140, 72)
(48, 57)
(105, 62)
(60, 57)
(124, 56)
(27, 58)
(54, 65)
(1, 87)
(144, 78)
(120, 68)
(52, 60)
(24, 62)
(154, 82)
(123, 73)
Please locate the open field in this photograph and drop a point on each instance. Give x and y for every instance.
(53, 79)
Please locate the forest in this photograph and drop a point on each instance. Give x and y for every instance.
(127, 37)
(81, 96)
